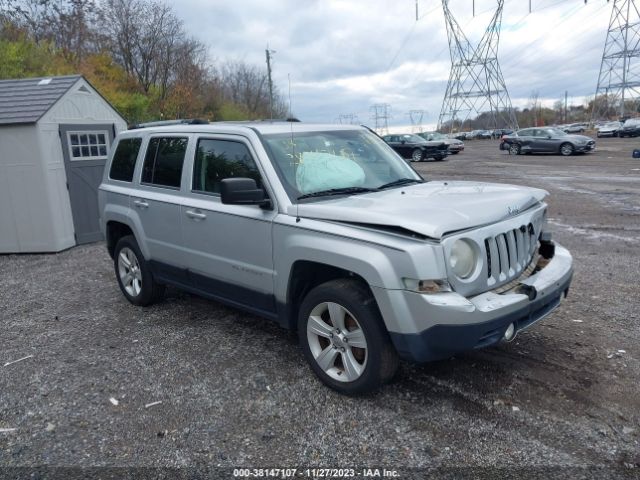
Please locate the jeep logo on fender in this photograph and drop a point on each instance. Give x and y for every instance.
(513, 210)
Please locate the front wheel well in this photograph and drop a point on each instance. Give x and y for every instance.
(306, 275)
(115, 231)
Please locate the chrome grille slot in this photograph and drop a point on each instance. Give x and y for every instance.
(508, 254)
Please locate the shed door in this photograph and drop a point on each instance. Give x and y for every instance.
(85, 149)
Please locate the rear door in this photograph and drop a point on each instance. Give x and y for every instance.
(156, 202)
(85, 149)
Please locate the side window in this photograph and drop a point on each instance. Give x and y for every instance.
(219, 159)
(163, 161)
(124, 159)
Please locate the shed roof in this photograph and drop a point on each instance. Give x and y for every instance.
(26, 100)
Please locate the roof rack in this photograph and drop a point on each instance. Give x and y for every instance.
(163, 123)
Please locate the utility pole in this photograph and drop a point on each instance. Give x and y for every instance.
(269, 53)
(476, 84)
(566, 95)
(619, 78)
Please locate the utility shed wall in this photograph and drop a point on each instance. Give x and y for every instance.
(25, 221)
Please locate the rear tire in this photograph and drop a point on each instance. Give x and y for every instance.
(344, 339)
(134, 274)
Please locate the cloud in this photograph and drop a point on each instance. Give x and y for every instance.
(344, 55)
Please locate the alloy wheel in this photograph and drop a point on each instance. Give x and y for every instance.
(129, 272)
(337, 342)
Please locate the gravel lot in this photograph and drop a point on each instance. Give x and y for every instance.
(236, 391)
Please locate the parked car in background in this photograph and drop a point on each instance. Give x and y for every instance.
(453, 144)
(484, 134)
(460, 135)
(546, 140)
(608, 129)
(417, 148)
(630, 128)
(575, 128)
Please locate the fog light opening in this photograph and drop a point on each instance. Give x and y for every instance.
(510, 333)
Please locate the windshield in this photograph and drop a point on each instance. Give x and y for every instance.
(433, 136)
(337, 162)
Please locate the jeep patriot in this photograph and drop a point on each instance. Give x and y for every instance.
(329, 232)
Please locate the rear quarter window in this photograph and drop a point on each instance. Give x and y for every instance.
(124, 159)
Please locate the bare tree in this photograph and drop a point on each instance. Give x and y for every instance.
(246, 85)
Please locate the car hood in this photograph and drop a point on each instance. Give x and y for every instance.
(432, 209)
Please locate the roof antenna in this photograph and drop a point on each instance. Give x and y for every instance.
(293, 145)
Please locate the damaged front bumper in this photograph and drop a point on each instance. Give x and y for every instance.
(448, 323)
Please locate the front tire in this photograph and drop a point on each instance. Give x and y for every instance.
(134, 275)
(514, 149)
(343, 337)
(417, 155)
(566, 149)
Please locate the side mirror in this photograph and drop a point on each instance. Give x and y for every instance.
(242, 191)
(403, 142)
(549, 137)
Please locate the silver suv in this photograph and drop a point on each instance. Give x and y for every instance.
(326, 230)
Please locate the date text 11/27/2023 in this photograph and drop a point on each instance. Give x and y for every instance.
(314, 473)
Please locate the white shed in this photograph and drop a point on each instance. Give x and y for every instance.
(55, 135)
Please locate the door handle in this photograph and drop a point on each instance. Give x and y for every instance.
(195, 215)
(140, 204)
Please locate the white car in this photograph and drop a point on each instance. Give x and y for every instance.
(609, 129)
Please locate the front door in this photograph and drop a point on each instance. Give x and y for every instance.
(85, 149)
(228, 247)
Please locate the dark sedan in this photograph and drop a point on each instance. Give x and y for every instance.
(453, 144)
(630, 128)
(417, 148)
(546, 140)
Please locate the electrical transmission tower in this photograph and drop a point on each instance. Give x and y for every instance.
(416, 117)
(348, 119)
(476, 85)
(618, 90)
(381, 112)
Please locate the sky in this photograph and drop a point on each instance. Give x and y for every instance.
(341, 57)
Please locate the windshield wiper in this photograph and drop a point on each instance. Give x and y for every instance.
(400, 181)
(336, 191)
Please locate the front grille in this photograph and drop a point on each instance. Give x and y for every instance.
(509, 253)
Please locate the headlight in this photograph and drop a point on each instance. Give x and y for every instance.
(462, 259)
